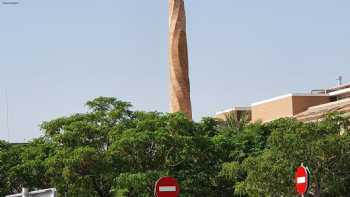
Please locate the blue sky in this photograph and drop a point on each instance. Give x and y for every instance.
(56, 55)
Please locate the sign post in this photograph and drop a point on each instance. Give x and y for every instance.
(302, 180)
(167, 187)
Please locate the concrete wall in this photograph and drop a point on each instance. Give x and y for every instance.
(285, 106)
(272, 110)
(302, 103)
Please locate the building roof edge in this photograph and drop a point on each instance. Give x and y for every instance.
(285, 96)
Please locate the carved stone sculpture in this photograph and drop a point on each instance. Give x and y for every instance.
(180, 100)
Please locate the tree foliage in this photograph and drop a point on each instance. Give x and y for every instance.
(112, 150)
(318, 145)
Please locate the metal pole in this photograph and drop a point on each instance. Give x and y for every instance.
(25, 192)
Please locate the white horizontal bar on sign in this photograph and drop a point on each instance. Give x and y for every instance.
(167, 189)
(301, 180)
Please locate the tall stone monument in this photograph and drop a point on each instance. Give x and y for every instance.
(180, 99)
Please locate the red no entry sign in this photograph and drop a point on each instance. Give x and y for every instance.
(167, 187)
(301, 180)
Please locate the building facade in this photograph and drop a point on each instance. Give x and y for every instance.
(302, 106)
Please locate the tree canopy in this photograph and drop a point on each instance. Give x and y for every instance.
(111, 150)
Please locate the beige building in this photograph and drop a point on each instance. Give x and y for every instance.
(305, 107)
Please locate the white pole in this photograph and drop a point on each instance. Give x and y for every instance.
(25, 192)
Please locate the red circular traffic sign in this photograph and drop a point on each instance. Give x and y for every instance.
(301, 180)
(167, 187)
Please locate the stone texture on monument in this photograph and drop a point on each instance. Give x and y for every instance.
(180, 100)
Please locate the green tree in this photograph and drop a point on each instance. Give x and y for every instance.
(83, 163)
(111, 150)
(5, 164)
(167, 144)
(235, 145)
(318, 145)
